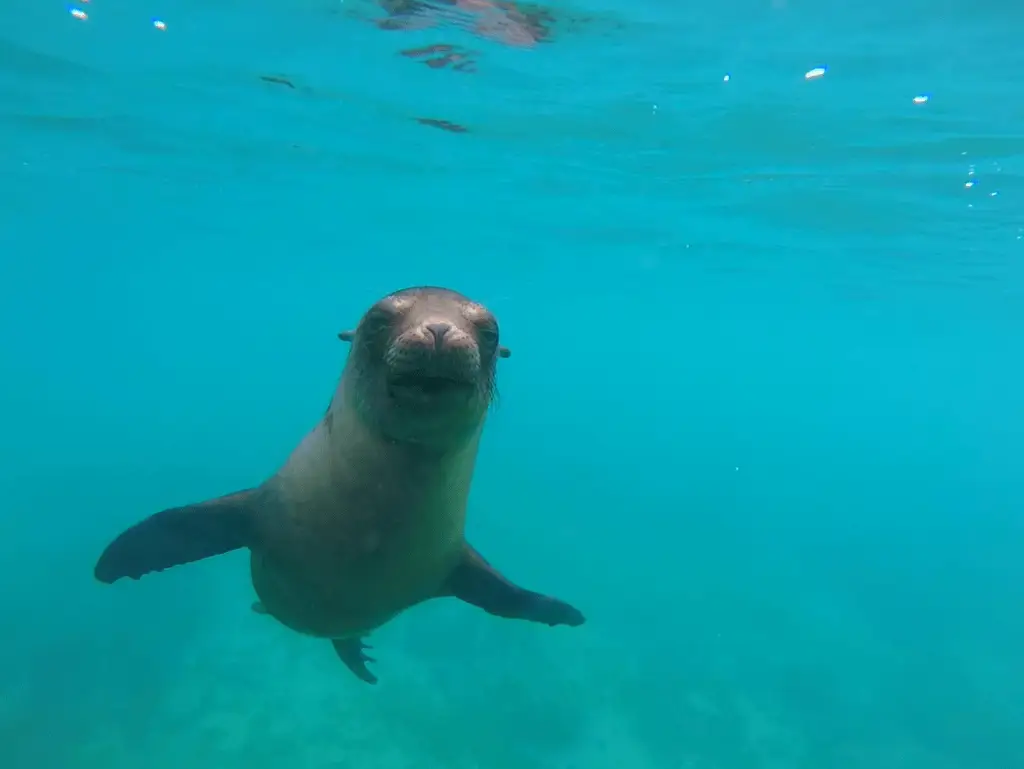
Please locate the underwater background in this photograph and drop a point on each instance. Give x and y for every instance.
(760, 267)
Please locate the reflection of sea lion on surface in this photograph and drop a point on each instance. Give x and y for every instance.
(511, 23)
(515, 23)
(366, 516)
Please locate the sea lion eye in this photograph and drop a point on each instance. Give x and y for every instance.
(487, 330)
(388, 306)
(392, 306)
(383, 313)
(487, 336)
(375, 324)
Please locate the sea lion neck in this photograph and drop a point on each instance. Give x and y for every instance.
(346, 419)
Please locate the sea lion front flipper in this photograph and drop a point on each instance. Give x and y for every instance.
(476, 582)
(180, 535)
(352, 651)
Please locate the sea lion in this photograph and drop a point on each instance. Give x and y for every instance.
(366, 516)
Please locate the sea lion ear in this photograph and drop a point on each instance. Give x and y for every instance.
(504, 352)
(347, 336)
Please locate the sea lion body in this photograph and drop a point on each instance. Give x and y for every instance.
(367, 530)
(366, 517)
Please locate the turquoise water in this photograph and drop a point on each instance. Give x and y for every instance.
(762, 422)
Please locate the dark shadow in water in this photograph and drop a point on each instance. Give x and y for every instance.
(444, 125)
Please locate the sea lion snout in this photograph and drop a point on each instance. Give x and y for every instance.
(435, 357)
(435, 346)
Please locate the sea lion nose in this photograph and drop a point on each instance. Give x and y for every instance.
(439, 330)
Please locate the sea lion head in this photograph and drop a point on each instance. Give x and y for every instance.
(422, 366)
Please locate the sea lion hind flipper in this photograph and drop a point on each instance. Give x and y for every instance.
(180, 535)
(352, 651)
(476, 582)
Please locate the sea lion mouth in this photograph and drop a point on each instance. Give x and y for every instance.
(425, 385)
